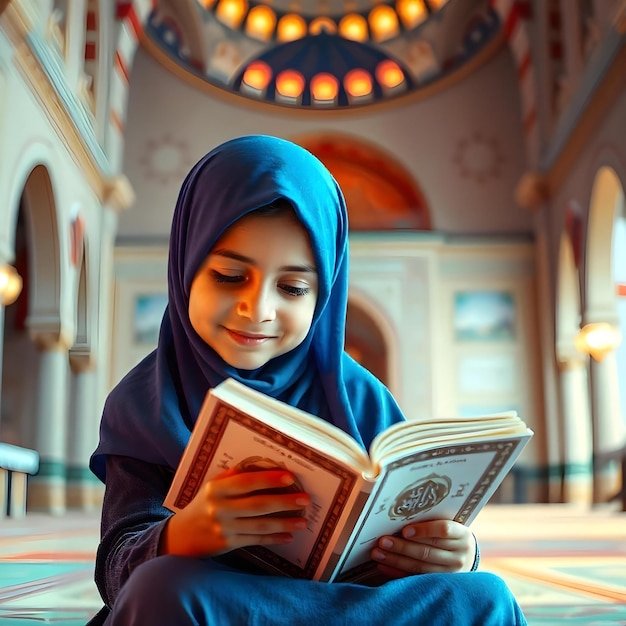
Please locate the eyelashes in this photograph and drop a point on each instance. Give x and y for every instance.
(295, 291)
(227, 279)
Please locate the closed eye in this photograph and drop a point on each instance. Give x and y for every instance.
(295, 291)
(218, 277)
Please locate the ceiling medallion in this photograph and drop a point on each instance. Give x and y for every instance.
(479, 157)
(323, 61)
(165, 159)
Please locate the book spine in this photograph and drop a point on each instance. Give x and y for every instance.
(332, 566)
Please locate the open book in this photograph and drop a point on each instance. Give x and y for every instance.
(415, 470)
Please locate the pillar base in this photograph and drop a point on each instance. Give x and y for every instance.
(46, 496)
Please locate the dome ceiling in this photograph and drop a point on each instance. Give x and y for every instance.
(321, 55)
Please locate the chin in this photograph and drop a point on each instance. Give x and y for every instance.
(246, 364)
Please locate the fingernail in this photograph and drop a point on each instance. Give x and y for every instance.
(287, 479)
(386, 543)
(378, 555)
(303, 502)
(409, 532)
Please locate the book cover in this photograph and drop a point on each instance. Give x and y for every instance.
(448, 473)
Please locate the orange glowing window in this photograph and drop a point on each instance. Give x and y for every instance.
(257, 75)
(290, 28)
(261, 22)
(358, 83)
(389, 74)
(411, 12)
(383, 22)
(353, 27)
(322, 25)
(290, 84)
(324, 86)
(231, 12)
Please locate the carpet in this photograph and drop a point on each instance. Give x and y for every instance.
(565, 564)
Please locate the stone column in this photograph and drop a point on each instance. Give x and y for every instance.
(576, 432)
(84, 419)
(46, 491)
(609, 432)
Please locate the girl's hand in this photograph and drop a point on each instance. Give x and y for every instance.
(228, 512)
(425, 548)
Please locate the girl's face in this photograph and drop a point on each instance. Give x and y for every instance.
(254, 297)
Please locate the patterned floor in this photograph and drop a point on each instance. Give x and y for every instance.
(564, 564)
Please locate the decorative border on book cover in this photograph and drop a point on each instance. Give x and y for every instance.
(502, 448)
(285, 449)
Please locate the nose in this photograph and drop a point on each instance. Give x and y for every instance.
(257, 303)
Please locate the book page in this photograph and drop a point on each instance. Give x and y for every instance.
(233, 438)
(450, 481)
(295, 422)
(411, 432)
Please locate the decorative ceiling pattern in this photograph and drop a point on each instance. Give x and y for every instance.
(320, 55)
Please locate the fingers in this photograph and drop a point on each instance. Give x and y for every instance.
(234, 484)
(415, 558)
(253, 494)
(435, 529)
(252, 508)
(263, 531)
(261, 508)
(426, 547)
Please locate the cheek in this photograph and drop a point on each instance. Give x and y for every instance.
(305, 320)
(194, 317)
(200, 309)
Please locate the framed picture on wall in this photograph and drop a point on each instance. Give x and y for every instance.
(484, 316)
(140, 299)
(147, 314)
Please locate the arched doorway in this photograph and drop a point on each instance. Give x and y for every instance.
(18, 355)
(365, 342)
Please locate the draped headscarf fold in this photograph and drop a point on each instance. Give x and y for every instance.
(150, 413)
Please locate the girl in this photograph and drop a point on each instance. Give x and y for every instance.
(258, 287)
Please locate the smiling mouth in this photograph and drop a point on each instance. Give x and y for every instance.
(247, 339)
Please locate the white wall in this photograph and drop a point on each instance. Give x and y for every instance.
(445, 141)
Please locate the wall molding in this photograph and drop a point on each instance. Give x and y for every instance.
(16, 24)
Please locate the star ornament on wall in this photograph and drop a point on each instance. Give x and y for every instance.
(479, 158)
(166, 159)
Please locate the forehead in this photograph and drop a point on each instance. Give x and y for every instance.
(281, 232)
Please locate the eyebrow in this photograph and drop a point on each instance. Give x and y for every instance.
(230, 254)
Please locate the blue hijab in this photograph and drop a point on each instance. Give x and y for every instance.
(150, 413)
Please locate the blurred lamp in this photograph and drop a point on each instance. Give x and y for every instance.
(353, 26)
(290, 27)
(10, 284)
(231, 12)
(598, 339)
(261, 22)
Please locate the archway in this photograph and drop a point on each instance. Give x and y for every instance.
(44, 258)
(370, 339)
(365, 342)
(380, 192)
(18, 354)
